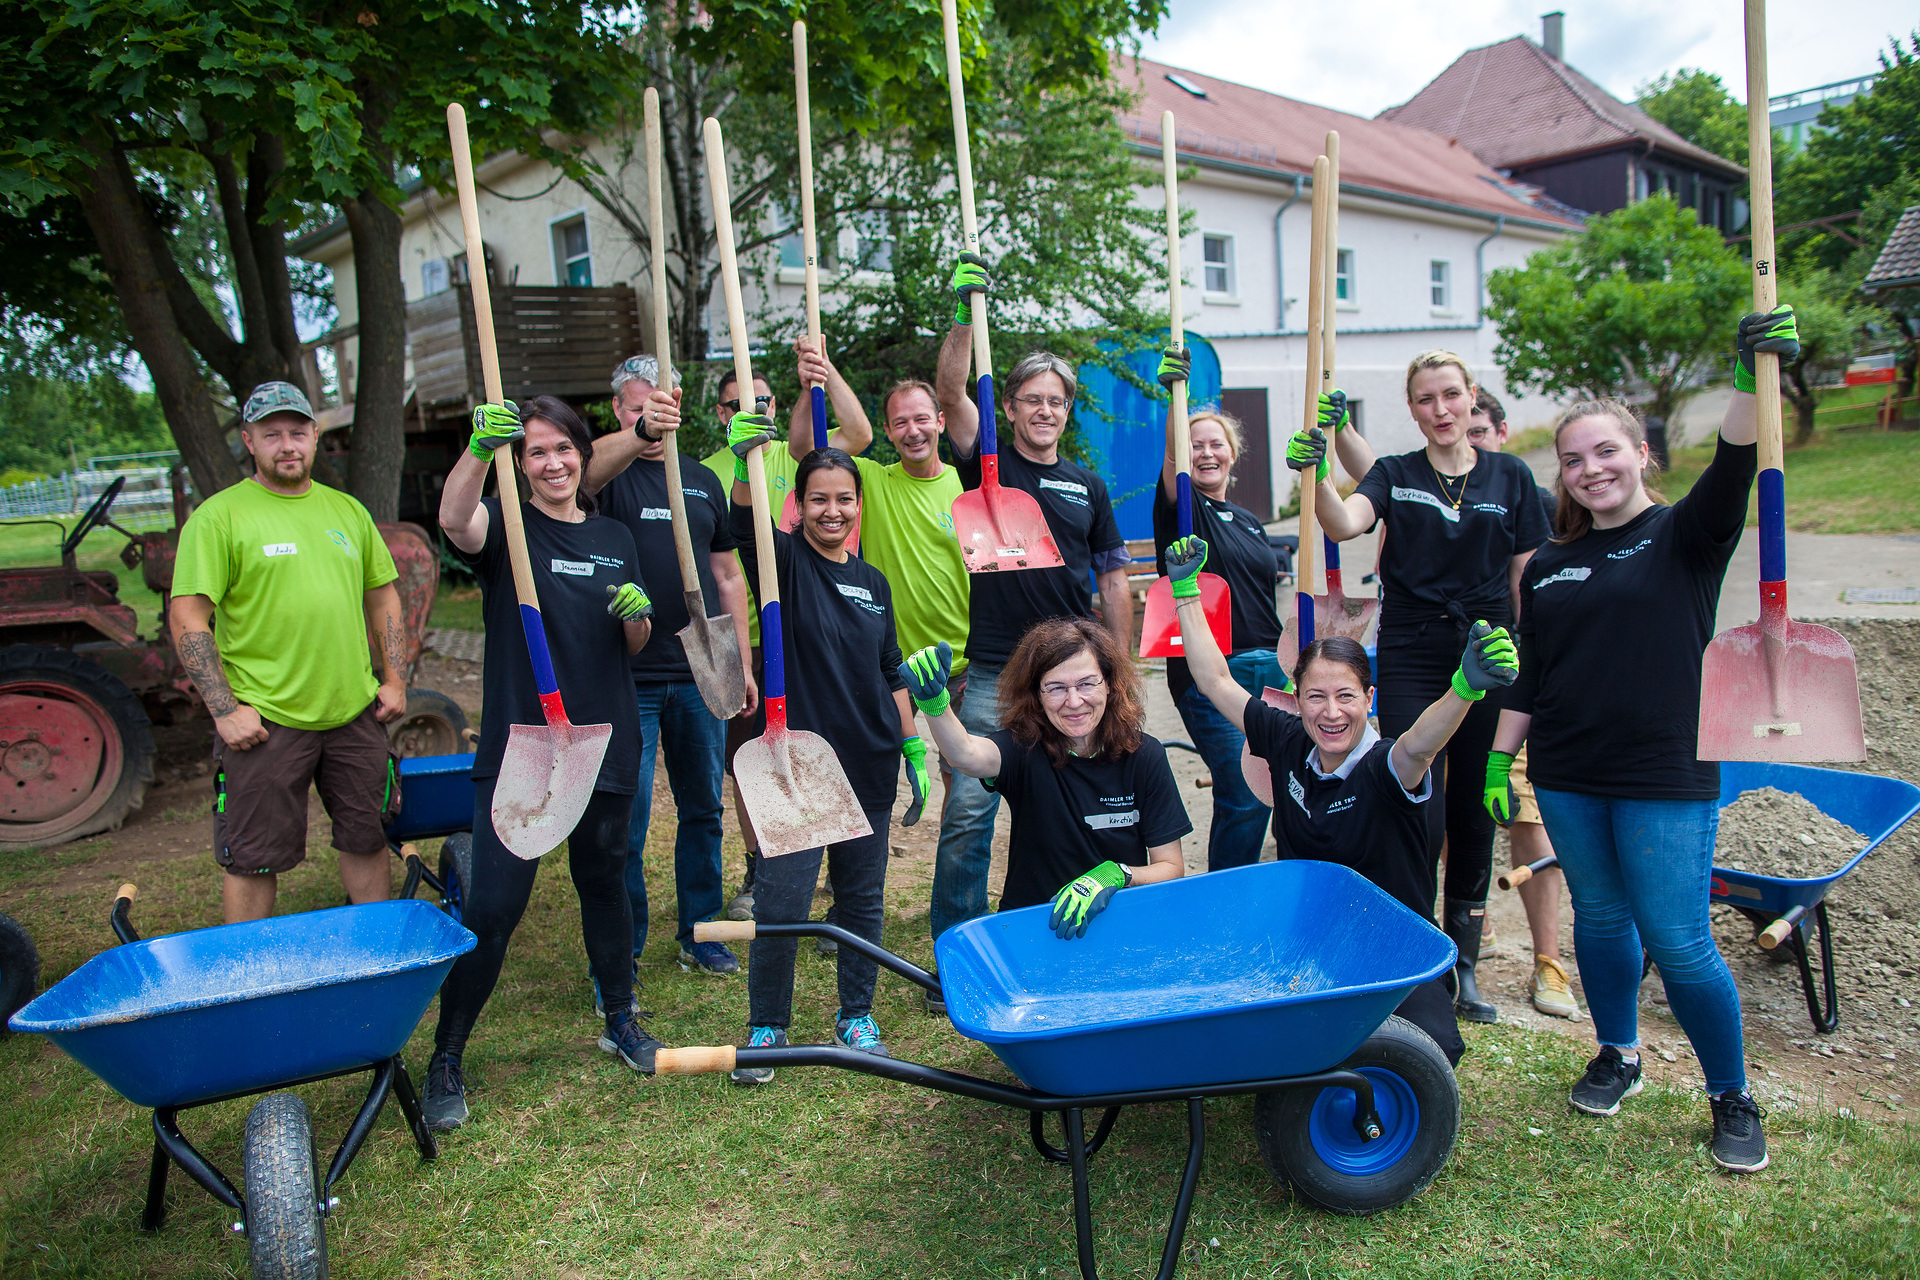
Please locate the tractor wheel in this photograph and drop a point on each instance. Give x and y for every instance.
(432, 725)
(76, 748)
(19, 969)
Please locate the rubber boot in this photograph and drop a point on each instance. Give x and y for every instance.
(1463, 924)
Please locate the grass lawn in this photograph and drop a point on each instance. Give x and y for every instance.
(35, 543)
(1863, 481)
(457, 605)
(574, 1167)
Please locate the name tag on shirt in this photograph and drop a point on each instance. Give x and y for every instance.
(1077, 492)
(657, 513)
(1402, 494)
(280, 549)
(1579, 573)
(578, 568)
(1108, 821)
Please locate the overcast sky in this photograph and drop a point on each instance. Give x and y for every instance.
(1365, 55)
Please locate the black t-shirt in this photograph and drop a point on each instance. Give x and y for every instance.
(1436, 553)
(1237, 550)
(1069, 820)
(1612, 629)
(1080, 517)
(573, 565)
(1549, 505)
(1364, 821)
(637, 498)
(842, 660)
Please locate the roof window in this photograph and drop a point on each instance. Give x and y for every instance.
(1187, 84)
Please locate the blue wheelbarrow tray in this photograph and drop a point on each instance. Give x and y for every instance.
(241, 1008)
(1277, 969)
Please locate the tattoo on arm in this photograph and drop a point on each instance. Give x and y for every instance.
(201, 658)
(395, 646)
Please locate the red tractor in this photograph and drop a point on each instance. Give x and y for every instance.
(80, 689)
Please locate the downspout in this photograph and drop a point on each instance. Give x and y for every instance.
(1280, 256)
(1480, 271)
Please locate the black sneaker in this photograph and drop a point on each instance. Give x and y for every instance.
(1738, 1144)
(1609, 1079)
(445, 1107)
(627, 1040)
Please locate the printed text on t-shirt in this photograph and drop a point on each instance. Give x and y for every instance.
(1403, 494)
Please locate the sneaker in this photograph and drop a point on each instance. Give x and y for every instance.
(860, 1033)
(1551, 992)
(741, 908)
(600, 1005)
(935, 1005)
(627, 1040)
(445, 1107)
(1609, 1079)
(760, 1038)
(1738, 1144)
(708, 957)
(1488, 938)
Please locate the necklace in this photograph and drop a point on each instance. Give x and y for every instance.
(1446, 492)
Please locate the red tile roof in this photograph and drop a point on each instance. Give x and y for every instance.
(1262, 130)
(1898, 265)
(1512, 105)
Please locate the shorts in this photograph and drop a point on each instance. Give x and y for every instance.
(260, 795)
(1524, 807)
(745, 727)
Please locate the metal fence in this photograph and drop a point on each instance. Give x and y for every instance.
(146, 502)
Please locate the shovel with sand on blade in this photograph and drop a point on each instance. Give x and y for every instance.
(548, 772)
(712, 645)
(1775, 690)
(792, 784)
(999, 529)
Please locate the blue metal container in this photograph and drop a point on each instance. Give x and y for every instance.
(436, 795)
(1871, 805)
(178, 1019)
(1278, 969)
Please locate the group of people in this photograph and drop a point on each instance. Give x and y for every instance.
(1503, 605)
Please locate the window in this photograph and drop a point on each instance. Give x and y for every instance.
(1440, 282)
(1343, 275)
(1216, 253)
(1357, 409)
(572, 263)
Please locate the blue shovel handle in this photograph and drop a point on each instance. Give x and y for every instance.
(983, 389)
(819, 417)
(1183, 485)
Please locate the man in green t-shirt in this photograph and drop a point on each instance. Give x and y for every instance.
(293, 575)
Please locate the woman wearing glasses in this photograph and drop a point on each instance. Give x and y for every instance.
(1095, 806)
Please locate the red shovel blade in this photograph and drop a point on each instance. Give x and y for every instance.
(1160, 626)
(1336, 615)
(1003, 529)
(790, 522)
(546, 778)
(1255, 770)
(1778, 690)
(796, 792)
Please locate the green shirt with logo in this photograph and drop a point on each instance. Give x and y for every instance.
(782, 467)
(906, 532)
(288, 578)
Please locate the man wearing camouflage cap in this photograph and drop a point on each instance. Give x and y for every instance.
(292, 575)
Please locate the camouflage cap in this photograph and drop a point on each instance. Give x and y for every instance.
(275, 397)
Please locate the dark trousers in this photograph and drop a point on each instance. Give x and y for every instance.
(1429, 1007)
(783, 894)
(497, 898)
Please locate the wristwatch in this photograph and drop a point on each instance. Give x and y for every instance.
(1126, 876)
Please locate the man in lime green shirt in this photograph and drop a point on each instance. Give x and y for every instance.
(294, 575)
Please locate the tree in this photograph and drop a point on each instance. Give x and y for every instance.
(1858, 149)
(1832, 324)
(1642, 303)
(1696, 105)
(1898, 309)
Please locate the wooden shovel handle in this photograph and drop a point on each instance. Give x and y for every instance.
(1330, 304)
(693, 1061)
(963, 165)
(1179, 442)
(1766, 287)
(1306, 576)
(724, 931)
(663, 337)
(809, 232)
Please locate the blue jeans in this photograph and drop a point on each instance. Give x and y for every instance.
(966, 829)
(696, 746)
(1240, 821)
(1638, 873)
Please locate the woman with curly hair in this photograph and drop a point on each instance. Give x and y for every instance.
(1095, 806)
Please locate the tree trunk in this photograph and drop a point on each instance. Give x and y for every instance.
(1794, 387)
(265, 160)
(120, 227)
(380, 392)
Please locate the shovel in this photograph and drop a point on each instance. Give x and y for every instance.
(712, 644)
(1159, 628)
(548, 772)
(1776, 690)
(1304, 576)
(792, 784)
(999, 529)
(1333, 613)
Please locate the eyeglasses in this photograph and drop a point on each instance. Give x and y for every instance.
(1034, 402)
(1477, 434)
(1057, 693)
(759, 403)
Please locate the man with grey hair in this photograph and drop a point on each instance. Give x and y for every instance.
(1037, 397)
(629, 475)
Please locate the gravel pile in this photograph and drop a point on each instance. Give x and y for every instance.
(1777, 833)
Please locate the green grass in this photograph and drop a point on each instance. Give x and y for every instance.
(457, 606)
(574, 1167)
(36, 544)
(1842, 482)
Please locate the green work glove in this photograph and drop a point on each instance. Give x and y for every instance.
(1084, 899)
(1334, 414)
(969, 277)
(1309, 449)
(926, 674)
(1185, 557)
(629, 603)
(1498, 796)
(1775, 331)
(1489, 662)
(1176, 365)
(915, 750)
(493, 426)
(745, 433)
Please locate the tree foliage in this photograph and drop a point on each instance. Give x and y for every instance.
(1696, 105)
(1833, 325)
(53, 421)
(1859, 149)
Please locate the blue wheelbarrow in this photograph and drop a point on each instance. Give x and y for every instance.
(1781, 908)
(1278, 980)
(194, 1018)
(436, 800)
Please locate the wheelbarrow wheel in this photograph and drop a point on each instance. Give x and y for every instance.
(19, 969)
(1308, 1140)
(285, 1233)
(456, 872)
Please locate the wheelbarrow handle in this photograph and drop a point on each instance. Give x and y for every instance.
(1780, 930)
(122, 902)
(1520, 875)
(747, 931)
(723, 931)
(694, 1060)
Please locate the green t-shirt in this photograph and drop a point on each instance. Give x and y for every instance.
(288, 579)
(781, 469)
(906, 532)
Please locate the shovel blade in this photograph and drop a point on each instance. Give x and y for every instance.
(1255, 770)
(796, 793)
(1006, 534)
(1334, 614)
(1160, 626)
(546, 778)
(1788, 694)
(713, 655)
